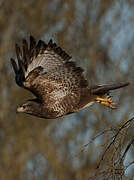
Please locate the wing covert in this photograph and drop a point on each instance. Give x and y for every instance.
(59, 88)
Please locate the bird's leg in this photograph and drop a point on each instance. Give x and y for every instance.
(106, 101)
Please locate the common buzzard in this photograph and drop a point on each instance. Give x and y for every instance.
(58, 85)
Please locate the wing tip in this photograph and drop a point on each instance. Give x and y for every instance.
(58, 50)
(31, 38)
(14, 65)
(39, 48)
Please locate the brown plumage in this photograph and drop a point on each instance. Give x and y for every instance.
(59, 86)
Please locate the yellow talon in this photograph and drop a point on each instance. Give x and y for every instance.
(106, 101)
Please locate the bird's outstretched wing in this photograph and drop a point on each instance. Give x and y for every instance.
(38, 54)
(46, 70)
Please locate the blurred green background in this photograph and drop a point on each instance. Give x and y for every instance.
(99, 35)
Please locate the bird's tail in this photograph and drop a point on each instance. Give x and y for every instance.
(104, 89)
(100, 91)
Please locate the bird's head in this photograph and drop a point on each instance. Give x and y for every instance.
(27, 107)
(30, 107)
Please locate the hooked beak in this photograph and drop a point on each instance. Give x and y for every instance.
(20, 109)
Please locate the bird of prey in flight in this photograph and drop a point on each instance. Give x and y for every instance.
(57, 83)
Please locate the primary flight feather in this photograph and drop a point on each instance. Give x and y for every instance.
(58, 85)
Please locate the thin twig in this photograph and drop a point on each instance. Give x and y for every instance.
(126, 150)
(127, 123)
(95, 137)
(129, 164)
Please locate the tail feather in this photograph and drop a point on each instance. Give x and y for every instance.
(102, 90)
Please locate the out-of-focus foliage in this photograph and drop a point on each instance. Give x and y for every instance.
(99, 35)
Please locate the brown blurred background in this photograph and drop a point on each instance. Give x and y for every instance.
(99, 35)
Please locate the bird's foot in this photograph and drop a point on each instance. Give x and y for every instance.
(107, 101)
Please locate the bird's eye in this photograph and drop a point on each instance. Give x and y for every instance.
(23, 106)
